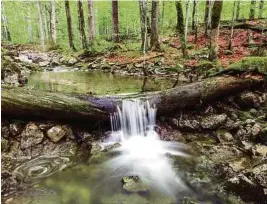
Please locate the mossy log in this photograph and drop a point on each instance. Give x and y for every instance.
(247, 26)
(59, 106)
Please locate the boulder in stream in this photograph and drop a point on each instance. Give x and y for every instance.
(56, 133)
(133, 184)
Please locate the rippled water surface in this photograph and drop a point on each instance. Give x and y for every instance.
(95, 82)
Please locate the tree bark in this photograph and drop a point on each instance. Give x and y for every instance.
(180, 27)
(154, 38)
(29, 23)
(261, 9)
(5, 29)
(53, 22)
(206, 18)
(91, 20)
(194, 14)
(69, 25)
(216, 15)
(143, 23)
(41, 24)
(81, 24)
(252, 10)
(232, 26)
(237, 10)
(115, 21)
(59, 106)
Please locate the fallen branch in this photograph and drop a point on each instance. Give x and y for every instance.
(24, 102)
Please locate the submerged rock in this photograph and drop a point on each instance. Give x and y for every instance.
(133, 184)
(31, 136)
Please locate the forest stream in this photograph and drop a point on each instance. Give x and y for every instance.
(134, 102)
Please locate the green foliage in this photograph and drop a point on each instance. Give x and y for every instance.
(250, 64)
(19, 13)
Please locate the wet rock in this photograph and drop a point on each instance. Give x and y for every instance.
(224, 136)
(15, 128)
(186, 124)
(44, 63)
(56, 133)
(247, 145)
(213, 122)
(11, 79)
(133, 184)
(5, 131)
(4, 145)
(72, 61)
(249, 99)
(246, 188)
(22, 80)
(260, 150)
(256, 129)
(31, 136)
(95, 148)
(55, 61)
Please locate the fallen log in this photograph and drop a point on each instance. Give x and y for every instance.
(59, 106)
(247, 26)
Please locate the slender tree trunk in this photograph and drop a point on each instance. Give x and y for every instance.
(206, 18)
(69, 25)
(29, 21)
(53, 22)
(232, 26)
(143, 23)
(154, 38)
(261, 8)
(252, 10)
(91, 20)
(81, 24)
(237, 10)
(187, 14)
(194, 14)
(41, 24)
(46, 25)
(180, 26)
(115, 21)
(196, 20)
(216, 15)
(5, 29)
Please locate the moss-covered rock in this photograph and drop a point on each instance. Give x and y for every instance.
(251, 64)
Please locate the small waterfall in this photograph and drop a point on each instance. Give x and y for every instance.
(141, 151)
(135, 118)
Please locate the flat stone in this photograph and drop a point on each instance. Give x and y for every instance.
(260, 150)
(133, 184)
(56, 133)
(213, 121)
(31, 136)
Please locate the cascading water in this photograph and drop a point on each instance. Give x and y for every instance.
(141, 151)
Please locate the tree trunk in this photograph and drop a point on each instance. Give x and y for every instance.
(196, 20)
(29, 23)
(187, 14)
(261, 8)
(143, 23)
(232, 26)
(69, 25)
(237, 10)
(154, 38)
(252, 10)
(91, 20)
(46, 24)
(115, 21)
(194, 14)
(180, 27)
(59, 106)
(81, 24)
(41, 24)
(206, 18)
(5, 29)
(53, 22)
(216, 15)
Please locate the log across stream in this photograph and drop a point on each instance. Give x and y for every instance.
(49, 105)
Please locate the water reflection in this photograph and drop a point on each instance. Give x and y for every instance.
(95, 83)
